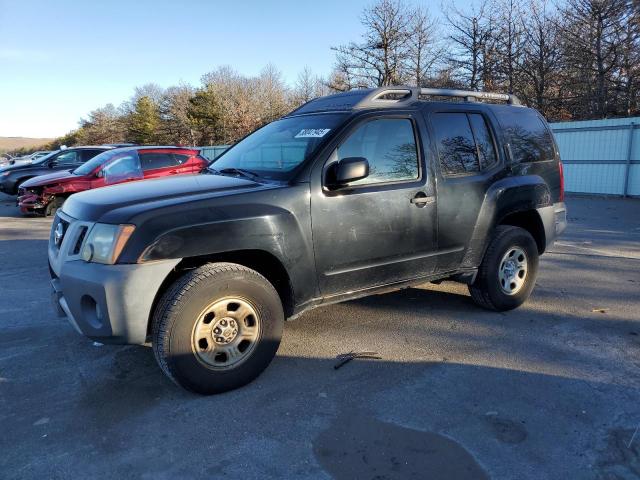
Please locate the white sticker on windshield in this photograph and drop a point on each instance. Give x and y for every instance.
(313, 132)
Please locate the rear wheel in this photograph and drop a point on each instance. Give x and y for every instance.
(217, 328)
(508, 271)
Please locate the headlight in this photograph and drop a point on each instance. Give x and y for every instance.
(105, 242)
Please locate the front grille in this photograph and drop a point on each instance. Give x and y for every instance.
(81, 235)
(58, 231)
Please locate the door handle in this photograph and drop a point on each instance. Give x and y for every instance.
(421, 199)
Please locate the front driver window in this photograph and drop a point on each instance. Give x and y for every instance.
(389, 145)
(125, 167)
(66, 158)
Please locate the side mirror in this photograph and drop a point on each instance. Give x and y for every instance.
(346, 171)
(100, 174)
(53, 164)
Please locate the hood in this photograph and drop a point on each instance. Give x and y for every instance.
(55, 177)
(19, 166)
(120, 203)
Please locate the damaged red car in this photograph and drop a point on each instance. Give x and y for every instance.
(46, 193)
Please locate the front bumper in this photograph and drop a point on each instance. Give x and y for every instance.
(109, 303)
(30, 202)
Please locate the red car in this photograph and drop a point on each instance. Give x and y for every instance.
(46, 193)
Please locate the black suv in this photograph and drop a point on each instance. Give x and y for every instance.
(349, 195)
(68, 159)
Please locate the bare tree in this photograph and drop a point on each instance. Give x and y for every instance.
(541, 62)
(307, 87)
(381, 56)
(592, 38)
(469, 37)
(424, 49)
(509, 40)
(176, 122)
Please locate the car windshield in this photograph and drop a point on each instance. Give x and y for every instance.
(45, 157)
(89, 166)
(274, 151)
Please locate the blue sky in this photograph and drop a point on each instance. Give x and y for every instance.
(60, 59)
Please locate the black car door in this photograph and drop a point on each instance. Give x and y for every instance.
(373, 231)
(469, 162)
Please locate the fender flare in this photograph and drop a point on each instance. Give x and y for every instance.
(504, 197)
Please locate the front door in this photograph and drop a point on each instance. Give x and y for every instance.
(378, 230)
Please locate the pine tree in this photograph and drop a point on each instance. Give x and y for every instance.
(144, 122)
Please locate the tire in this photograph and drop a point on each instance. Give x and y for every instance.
(202, 300)
(53, 206)
(495, 280)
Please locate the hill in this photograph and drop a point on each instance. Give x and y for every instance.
(8, 144)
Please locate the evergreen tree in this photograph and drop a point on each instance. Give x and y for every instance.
(144, 122)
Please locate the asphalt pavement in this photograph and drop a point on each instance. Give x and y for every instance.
(548, 391)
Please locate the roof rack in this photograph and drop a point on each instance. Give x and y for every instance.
(400, 95)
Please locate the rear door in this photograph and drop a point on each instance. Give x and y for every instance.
(469, 161)
(372, 232)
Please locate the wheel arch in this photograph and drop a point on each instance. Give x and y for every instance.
(510, 201)
(530, 221)
(262, 261)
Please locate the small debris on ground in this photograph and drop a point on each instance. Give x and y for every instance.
(42, 421)
(345, 358)
(97, 344)
(600, 310)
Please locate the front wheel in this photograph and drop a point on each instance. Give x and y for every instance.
(508, 271)
(217, 328)
(53, 206)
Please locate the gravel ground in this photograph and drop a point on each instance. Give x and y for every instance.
(550, 390)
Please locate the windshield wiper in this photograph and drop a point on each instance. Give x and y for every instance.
(240, 171)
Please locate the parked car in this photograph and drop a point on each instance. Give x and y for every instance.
(27, 158)
(12, 176)
(350, 195)
(46, 193)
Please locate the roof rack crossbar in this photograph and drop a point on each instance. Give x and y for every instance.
(409, 94)
(469, 94)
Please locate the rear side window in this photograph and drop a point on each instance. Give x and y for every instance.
(456, 145)
(389, 145)
(151, 161)
(89, 154)
(528, 136)
(484, 140)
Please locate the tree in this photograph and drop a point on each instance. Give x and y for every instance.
(423, 48)
(541, 59)
(307, 87)
(469, 39)
(103, 125)
(271, 95)
(380, 59)
(509, 41)
(204, 113)
(143, 122)
(592, 39)
(176, 123)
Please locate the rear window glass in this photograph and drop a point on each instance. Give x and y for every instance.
(529, 138)
(484, 140)
(456, 145)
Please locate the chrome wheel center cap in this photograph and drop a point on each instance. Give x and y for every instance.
(224, 331)
(510, 269)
